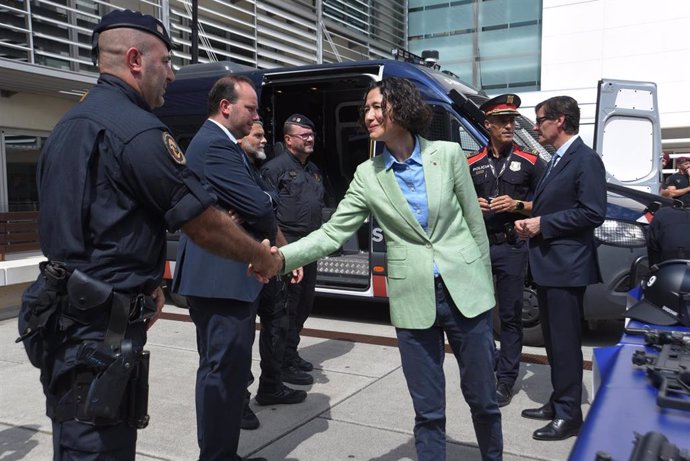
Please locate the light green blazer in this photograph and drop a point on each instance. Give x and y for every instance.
(456, 239)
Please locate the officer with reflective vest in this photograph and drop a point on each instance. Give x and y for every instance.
(111, 180)
(505, 176)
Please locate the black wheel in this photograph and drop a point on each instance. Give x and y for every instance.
(174, 298)
(531, 327)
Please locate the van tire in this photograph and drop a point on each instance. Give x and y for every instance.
(531, 327)
(174, 298)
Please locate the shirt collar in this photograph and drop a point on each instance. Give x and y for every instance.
(131, 93)
(225, 130)
(389, 160)
(564, 148)
(504, 153)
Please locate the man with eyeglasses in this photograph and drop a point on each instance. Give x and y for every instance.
(505, 176)
(300, 201)
(678, 184)
(569, 203)
(111, 180)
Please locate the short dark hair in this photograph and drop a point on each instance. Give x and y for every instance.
(562, 105)
(407, 108)
(225, 88)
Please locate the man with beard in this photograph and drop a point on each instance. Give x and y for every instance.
(300, 200)
(84, 320)
(678, 184)
(272, 311)
(505, 177)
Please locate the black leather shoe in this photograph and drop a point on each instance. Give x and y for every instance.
(254, 459)
(294, 375)
(558, 429)
(249, 419)
(284, 395)
(544, 413)
(303, 364)
(504, 394)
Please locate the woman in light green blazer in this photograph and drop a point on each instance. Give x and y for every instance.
(439, 272)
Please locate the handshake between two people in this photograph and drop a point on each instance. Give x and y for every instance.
(270, 262)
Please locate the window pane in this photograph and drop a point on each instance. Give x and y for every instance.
(22, 156)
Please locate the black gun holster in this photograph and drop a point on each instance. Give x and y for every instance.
(109, 387)
(109, 381)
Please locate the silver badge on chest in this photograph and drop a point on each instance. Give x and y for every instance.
(515, 166)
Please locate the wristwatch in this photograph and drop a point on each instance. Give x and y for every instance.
(519, 206)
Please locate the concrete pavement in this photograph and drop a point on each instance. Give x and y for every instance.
(357, 409)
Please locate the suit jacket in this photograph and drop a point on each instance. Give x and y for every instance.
(456, 239)
(571, 201)
(225, 167)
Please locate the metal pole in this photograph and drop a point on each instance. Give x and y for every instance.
(195, 31)
(319, 31)
(476, 69)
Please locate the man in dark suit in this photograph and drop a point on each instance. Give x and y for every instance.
(222, 298)
(569, 203)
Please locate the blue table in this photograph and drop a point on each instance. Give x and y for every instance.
(626, 403)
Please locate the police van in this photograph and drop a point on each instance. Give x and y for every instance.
(331, 96)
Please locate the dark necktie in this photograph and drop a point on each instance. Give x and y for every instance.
(552, 163)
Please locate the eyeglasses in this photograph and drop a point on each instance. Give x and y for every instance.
(541, 120)
(303, 136)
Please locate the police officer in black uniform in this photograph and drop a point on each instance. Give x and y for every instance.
(678, 184)
(301, 198)
(668, 235)
(111, 181)
(505, 175)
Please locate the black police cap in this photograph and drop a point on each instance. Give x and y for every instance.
(301, 120)
(131, 20)
(505, 104)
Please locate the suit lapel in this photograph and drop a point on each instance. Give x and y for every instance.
(391, 189)
(433, 178)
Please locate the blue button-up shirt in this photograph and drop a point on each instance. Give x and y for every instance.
(410, 177)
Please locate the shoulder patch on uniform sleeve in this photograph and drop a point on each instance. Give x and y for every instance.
(476, 156)
(173, 149)
(527, 154)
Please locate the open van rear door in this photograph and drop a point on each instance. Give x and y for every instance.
(330, 95)
(628, 133)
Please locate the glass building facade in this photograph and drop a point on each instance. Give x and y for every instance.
(493, 44)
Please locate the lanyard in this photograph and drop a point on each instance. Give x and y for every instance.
(500, 173)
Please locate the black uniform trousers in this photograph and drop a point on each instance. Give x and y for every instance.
(225, 332)
(560, 313)
(300, 301)
(274, 327)
(509, 265)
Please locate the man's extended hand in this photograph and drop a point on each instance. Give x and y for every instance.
(266, 264)
(528, 228)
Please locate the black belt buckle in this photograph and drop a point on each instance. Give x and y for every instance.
(141, 308)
